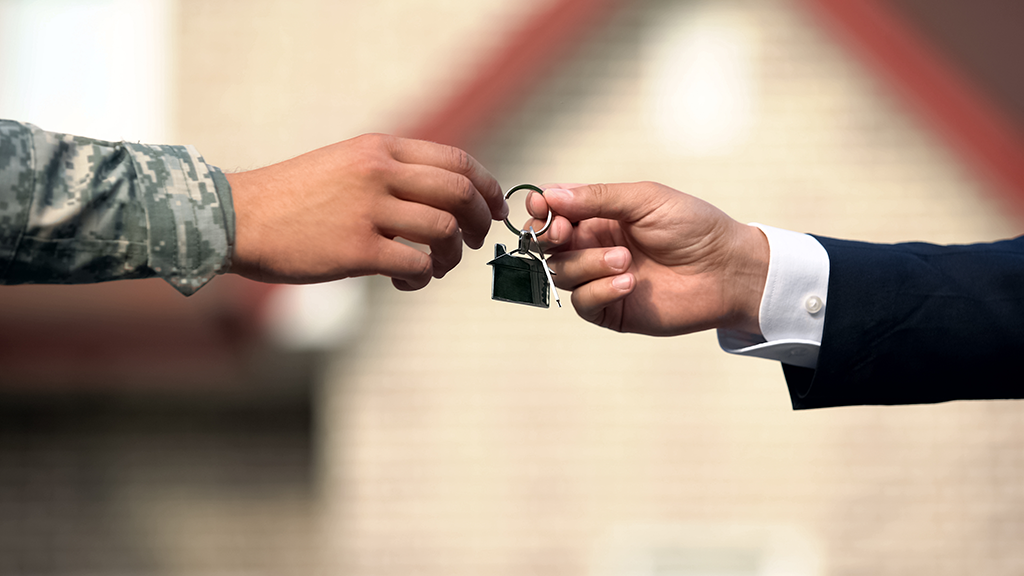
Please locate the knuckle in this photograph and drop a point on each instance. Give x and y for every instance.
(375, 149)
(374, 167)
(653, 194)
(420, 266)
(446, 225)
(377, 141)
(462, 190)
(599, 190)
(445, 261)
(370, 257)
(459, 160)
(649, 189)
(655, 190)
(371, 163)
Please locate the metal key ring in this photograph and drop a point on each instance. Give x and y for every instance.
(535, 189)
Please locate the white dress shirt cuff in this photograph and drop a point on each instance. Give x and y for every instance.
(792, 312)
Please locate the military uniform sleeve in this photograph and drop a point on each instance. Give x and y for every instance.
(78, 210)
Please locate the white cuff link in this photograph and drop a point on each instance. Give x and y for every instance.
(792, 311)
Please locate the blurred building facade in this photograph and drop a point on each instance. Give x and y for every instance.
(450, 434)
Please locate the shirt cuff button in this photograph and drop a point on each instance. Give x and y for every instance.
(813, 304)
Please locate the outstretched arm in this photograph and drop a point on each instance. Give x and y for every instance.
(78, 210)
(905, 323)
(335, 212)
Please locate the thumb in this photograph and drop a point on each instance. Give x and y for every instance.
(623, 202)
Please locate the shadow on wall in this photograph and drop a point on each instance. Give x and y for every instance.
(139, 483)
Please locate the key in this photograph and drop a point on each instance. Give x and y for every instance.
(547, 270)
(522, 280)
(520, 276)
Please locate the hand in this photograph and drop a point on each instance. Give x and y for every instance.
(648, 259)
(335, 212)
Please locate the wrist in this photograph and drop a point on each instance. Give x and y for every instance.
(747, 278)
(243, 261)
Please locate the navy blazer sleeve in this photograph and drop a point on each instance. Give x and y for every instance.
(918, 323)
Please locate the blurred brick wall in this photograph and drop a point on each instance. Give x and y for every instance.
(465, 436)
(221, 479)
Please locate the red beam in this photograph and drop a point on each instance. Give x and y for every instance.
(513, 71)
(132, 334)
(970, 121)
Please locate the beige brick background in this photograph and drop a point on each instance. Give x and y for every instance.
(457, 435)
(477, 437)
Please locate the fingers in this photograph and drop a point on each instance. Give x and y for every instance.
(573, 269)
(558, 235)
(591, 300)
(425, 225)
(403, 285)
(536, 205)
(622, 202)
(561, 231)
(450, 192)
(367, 189)
(598, 278)
(408, 268)
(565, 185)
(454, 160)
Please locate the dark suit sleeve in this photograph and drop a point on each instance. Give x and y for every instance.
(918, 323)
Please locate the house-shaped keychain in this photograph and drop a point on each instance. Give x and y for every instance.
(518, 279)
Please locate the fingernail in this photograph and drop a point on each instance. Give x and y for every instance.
(551, 235)
(558, 194)
(615, 258)
(622, 282)
(529, 203)
(504, 210)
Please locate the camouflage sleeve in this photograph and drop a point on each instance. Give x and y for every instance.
(77, 210)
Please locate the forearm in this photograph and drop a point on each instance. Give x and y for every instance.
(916, 323)
(745, 282)
(77, 210)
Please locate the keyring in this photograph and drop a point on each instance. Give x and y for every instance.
(535, 189)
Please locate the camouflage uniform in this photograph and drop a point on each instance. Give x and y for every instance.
(77, 210)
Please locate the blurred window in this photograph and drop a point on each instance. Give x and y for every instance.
(99, 68)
